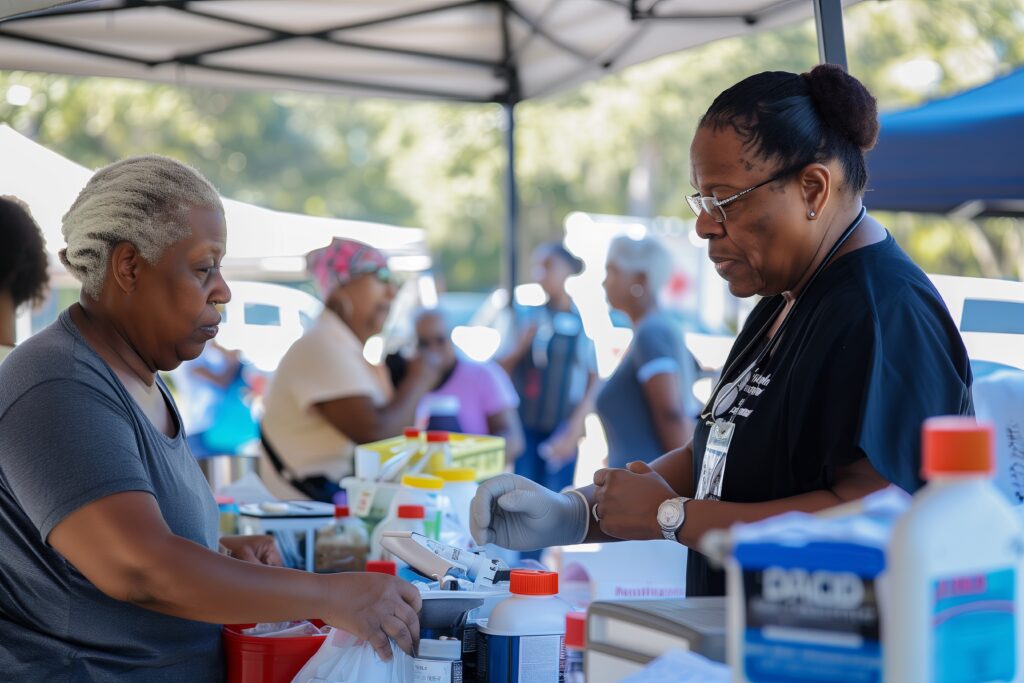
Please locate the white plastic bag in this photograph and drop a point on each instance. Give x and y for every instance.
(344, 658)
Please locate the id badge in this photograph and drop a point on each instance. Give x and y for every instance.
(712, 472)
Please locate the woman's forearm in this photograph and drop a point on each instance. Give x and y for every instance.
(183, 579)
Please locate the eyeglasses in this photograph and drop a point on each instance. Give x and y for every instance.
(714, 207)
(384, 274)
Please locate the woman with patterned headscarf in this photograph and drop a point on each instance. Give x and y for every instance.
(325, 397)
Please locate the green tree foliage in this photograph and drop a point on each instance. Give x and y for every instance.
(620, 145)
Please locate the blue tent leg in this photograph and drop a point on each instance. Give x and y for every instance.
(828, 18)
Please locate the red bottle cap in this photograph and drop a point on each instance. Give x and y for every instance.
(438, 437)
(576, 630)
(957, 445)
(533, 582)
(411, 433)
(382, 567)
(411, 512)
(341, 511)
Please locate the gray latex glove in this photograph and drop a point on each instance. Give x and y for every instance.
(516, 513)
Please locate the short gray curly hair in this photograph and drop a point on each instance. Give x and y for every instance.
(142, 200)
(646, 255)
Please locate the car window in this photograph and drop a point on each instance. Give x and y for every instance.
(985, 315)
(262, 314)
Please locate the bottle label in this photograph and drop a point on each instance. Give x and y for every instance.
(807, 625)
(975, 634)
(433, 671)
(522, 659)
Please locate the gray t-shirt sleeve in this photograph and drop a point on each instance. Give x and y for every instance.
(657, 350)
(64, 444)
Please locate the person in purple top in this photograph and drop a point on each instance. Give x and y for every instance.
(472, 397)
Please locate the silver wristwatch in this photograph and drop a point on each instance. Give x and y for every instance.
(671, 515)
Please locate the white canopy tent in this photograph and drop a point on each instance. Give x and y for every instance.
(474, 51)
(261, 243)
(502, 51)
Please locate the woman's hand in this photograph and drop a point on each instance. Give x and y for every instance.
(375, 607)
(627, 501)
(256, 549)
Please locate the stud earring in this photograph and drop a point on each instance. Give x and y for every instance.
(811, 214)
(636, 290)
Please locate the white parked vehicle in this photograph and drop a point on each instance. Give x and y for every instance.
(263, 320)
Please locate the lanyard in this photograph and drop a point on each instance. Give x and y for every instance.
(720, 402)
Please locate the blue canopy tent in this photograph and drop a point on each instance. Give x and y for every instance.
(962, 155)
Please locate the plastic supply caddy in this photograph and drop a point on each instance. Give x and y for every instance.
(265, 659)
(485, 454)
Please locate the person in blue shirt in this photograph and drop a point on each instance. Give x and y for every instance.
(647, 405)
(824, 392)
(554, 369)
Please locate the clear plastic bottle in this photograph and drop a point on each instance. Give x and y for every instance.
(954, 595)
(438, 454)
(575, 645)
(342, 546)
(410, 451)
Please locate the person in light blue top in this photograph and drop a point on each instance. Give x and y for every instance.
(647, 405)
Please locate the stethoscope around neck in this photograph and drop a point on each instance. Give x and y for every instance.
(724, 396)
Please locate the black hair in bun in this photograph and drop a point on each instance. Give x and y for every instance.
(818, 116)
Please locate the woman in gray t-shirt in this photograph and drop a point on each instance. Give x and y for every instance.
(646, 405)
(110, 567)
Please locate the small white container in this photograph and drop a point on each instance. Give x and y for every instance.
(438, 661)
(406, 518)
(953, 604)
(457, 498)
(524, 639)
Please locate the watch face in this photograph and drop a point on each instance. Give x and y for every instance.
(669, 513)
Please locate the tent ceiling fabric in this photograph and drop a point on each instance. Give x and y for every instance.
(470, 50)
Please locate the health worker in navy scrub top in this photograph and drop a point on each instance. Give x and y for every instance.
(647, 405)
(824, 392)
(554, 369)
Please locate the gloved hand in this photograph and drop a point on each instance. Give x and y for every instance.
(516, 513)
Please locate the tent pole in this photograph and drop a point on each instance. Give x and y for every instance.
(828, 19)
(511, 203)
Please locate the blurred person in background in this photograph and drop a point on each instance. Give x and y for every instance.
(110, 569)
(213, 390)
(553, 366)
(23, 277)
(647, 405)
(471, 397)
(325, 397)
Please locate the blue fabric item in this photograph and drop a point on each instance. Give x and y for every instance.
(70, 434)
(869, 353)
(967, 147)
(621, 402)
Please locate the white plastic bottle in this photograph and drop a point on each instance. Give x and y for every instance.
(405, 518)
(425, 490)
(524, 639)
(953, 600)
(456, 499)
